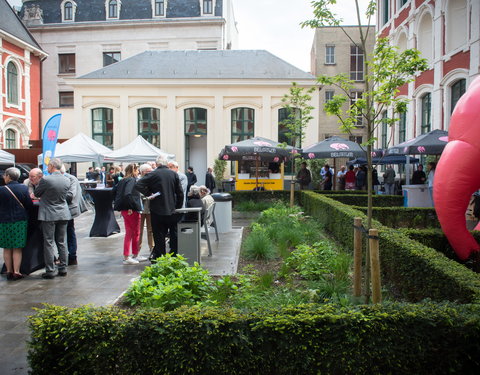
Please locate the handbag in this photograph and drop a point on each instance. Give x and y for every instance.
(11, 192)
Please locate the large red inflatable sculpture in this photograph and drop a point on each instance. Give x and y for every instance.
(457, 175)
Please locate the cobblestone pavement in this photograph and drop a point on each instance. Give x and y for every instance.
(99, 279)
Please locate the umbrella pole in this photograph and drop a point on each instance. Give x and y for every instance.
(334, 173)
(256, 173)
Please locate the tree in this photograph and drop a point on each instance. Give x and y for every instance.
(386, 70)
(298, 109)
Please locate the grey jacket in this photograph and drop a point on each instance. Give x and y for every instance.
(77, 205)
(54, 193)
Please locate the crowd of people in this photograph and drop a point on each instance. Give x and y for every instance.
(146, 195)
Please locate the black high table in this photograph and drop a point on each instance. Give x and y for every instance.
(105, 223)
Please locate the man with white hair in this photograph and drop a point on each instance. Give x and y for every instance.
(145, 216)
(34, 177)
(164, 184)
(173, 165)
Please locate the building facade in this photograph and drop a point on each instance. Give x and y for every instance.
(189, 103)
(84, 35)
(334, 53)
(447, 33)
(20, 65)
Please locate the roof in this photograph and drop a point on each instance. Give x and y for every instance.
(219, 64)
(11, 24)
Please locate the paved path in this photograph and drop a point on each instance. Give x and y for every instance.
(99, 279)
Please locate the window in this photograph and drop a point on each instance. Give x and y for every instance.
(149, 125)
(110, 58)
(68, 11)
(65, 99)
(384, 129)
(426, 113)
(356, 138)
(10, 139)
(402, 128)
(356, 63)
(401, 3)
(207, 6)
(354, 96)
(102, 126)
(329, 54)
(243, 124)
(12, 83)
(195, 121)
(385, 11)
(458, 89)
(112, 9)
(159, 8)
(329, 95)
(66, 63)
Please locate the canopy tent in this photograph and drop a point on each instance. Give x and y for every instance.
(431, 143)
(6, 157)
(257, 147)
(80, 148)
(139, 150)
(389, 159)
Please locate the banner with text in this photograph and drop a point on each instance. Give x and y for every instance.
(50, 135)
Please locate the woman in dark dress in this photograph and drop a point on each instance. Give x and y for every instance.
(15, 202)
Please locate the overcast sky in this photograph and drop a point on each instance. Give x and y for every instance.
(274, 25)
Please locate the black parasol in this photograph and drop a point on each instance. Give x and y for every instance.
(333, 147)
(431, 143)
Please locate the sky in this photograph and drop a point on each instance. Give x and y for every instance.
(274, 25)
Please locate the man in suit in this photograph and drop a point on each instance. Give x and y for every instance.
(34, 177)
(76, 207)
(54, 193)
(166, 183)
(210, 180)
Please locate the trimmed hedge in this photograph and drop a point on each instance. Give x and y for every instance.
(308, 339)
(412, 271)
(404, 217)
(362, 200)
(262, 196)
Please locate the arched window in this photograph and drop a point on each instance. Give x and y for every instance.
(10, 139)
(402, 42)
(456, 30)
(457, 90)
(425, 37)
(12, 83)
(102, 126)
(112, 9)
(243, 124)
(149, 125)
(68, 11)
(426, 124)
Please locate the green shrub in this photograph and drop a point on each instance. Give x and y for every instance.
(391, 338)
(258, 245)
(355, 199)
(252, 206)
(404, 217)
(311, 262)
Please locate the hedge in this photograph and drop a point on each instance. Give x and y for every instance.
(362, 200)
(413, 271)
(394, 338)
(404, 217)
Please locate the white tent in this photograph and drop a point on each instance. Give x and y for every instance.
(80, 148)
(139, 150)
(6, 157)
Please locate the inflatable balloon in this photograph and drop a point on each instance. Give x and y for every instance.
(457, 175)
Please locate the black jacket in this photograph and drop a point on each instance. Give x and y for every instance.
(166, 182)
(126, 197)
(210, 182)
(10, 209)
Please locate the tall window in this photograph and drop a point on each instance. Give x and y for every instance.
(149, 125)
(356, 63)
(102, 126)
(402, 128)
(159, 8)
(329, 54)
(207, 6)
(10, 139)
(66, 63)
(385, 11)
(12, 83)
(243, 124)
(426, 113)
(384, 130)
(195, 121)
(65, 99)
(329, 95)
(458, 89)
(354, 96)
(112, 9)
(284, 133)
(110, 58)
(68, 11)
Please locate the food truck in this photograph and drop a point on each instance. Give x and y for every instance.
(251, 173)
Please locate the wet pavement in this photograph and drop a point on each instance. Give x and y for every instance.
(100, 278)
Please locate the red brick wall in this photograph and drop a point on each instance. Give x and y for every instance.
(459, 60)
(424, 78)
